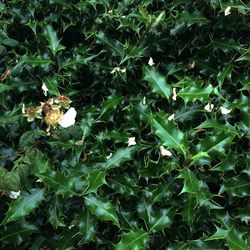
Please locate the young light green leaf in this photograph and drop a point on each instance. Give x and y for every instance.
(24, 205)
(157, 82)
(135, 239)
(101, 208)
(51, 36)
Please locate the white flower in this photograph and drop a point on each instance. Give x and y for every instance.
(14, 195)
(165, 152)
(144, 100)
(151, 62)
(68, 119)
(209, 107)
(23, 109)
(45, 89)
(227, 11)
(131, 141)
(109, 156)
(174, 94)
(171, 117)
(225, 111)
(118, 69)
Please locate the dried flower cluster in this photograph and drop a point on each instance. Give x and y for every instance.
(52, 112)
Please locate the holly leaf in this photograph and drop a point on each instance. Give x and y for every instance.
(95, 179)
(101, 208)
(215, 145)
(87, 226)
(170, 135)
(24, 205)
(236, 186)
(233, 238)
(58, 182)
(135, 239)
(120, 156)
(195, 93)
(51, 37)
(157, 81)
(18, 232)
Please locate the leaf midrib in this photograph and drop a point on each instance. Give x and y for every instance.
(98, 205)
(158, 84)
(24, 205)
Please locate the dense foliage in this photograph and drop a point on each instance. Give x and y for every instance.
(169, 77)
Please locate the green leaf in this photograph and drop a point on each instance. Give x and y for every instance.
(58, 182)
(10, 181)
(95, 179)
(194, 93)
(101, 208)
(10, 42)
(227, 128)
(232, 236)
(24, 205)
(158, 193)
(4, 87)
(18, 232)
(170, 135)
(188, 213)
(87, 226)
(124, 185)
(215, 145)
(51, 36)
(120, 156)
(29, 137)
(193, 18)
(198, 188)
(35, 60)
(55, 215)
(110, 105)
(52, 84)
(135, 239)
(226, 73)
(236, 186)
(157, 81)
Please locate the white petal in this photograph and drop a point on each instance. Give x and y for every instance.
(109, 156)
(227, 11)
(131, 141)
(123, 70)
(115, 69)
(165, 152)
(225, 111)
(45, 89)
(209, 107)
(174, 94)
(14, 195)
(144, 100)
(171, 117)
(151, 62)
(68, 119)
(23, 109)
